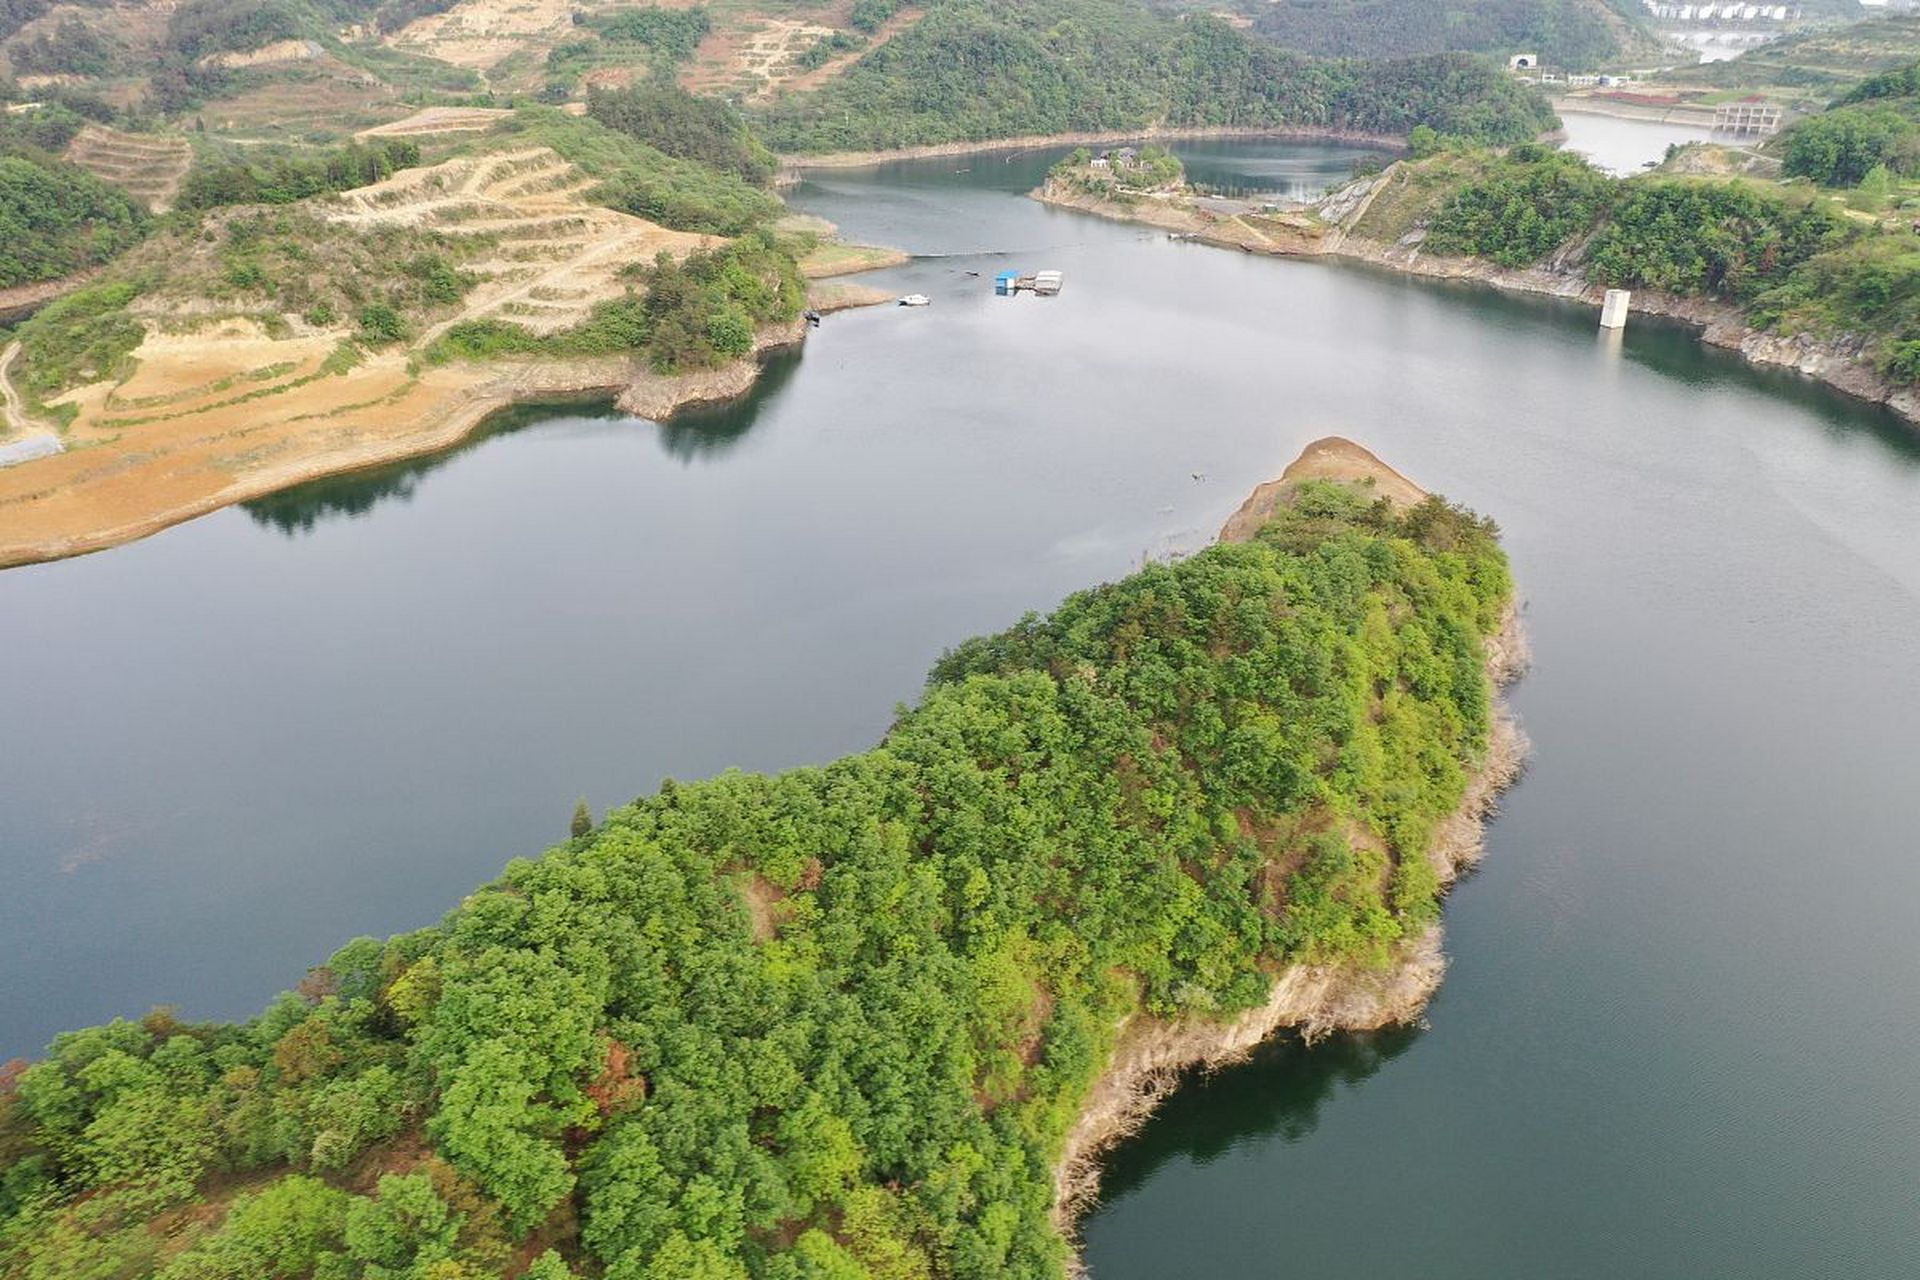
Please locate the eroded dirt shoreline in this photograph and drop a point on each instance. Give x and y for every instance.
(91, 499)
(1153, 1055)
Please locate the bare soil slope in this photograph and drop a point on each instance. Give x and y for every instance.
(149, 167)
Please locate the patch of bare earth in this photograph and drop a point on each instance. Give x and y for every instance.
(826, 71)
(1331, 458)
(481, 34)
(437, 120)
(755, 55)
(267, 55)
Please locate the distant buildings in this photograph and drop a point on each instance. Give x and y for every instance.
(1719, 11)
(1754, 119)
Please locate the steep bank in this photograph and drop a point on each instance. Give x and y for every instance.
(93, 498)
(1327, 228)
(1154, 1055)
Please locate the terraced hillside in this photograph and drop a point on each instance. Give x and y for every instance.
(224, 393)
(755, 56)
(429, 121)
(148, 167)
(753, 49)
(551, 256)
(480, 34)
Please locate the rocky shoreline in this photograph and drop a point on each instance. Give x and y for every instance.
(1153, 1055)
(1839, 363)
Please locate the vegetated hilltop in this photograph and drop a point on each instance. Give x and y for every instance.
(309, 311)
(256, 67)
(835, 1022)
(1575, 34)
(981, 69)
(317, 70)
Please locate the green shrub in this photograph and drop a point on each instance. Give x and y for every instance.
(84, 337)
(645, 181)
(1523, 208)
(381, 324)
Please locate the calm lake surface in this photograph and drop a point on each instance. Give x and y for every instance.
(1623, 146)
(1680, 1037)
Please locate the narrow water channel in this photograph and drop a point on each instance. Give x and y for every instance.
(1679, 1037)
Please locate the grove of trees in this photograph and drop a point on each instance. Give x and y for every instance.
(976, 69)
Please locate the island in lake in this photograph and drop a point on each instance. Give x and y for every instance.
(877, 1017)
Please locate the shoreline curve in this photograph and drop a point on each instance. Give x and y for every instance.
(460, 415)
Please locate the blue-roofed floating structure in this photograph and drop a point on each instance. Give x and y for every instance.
(1004, 283)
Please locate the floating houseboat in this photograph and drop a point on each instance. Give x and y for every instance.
(1043, 283)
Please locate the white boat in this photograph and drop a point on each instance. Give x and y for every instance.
(915, 300)
(1047, 283)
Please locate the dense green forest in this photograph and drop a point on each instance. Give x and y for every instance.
(289, 176)
(55, 217)
(979, 69)
(1577, 34)
(639, 178)
(1875, 126)
(1729, 239)
(832, 1023)
(1790, 256)
(669, 119)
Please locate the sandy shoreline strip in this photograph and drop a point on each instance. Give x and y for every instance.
(1153, 1056)
(862, 159)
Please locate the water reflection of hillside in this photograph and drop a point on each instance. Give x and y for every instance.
(696, 435)
(1277, 1093)
(707, 432)
(297, 510)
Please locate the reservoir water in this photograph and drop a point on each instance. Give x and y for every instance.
(1680, 1036)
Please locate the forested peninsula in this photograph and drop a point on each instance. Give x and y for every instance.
(1806, 255)
(870, 1019)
